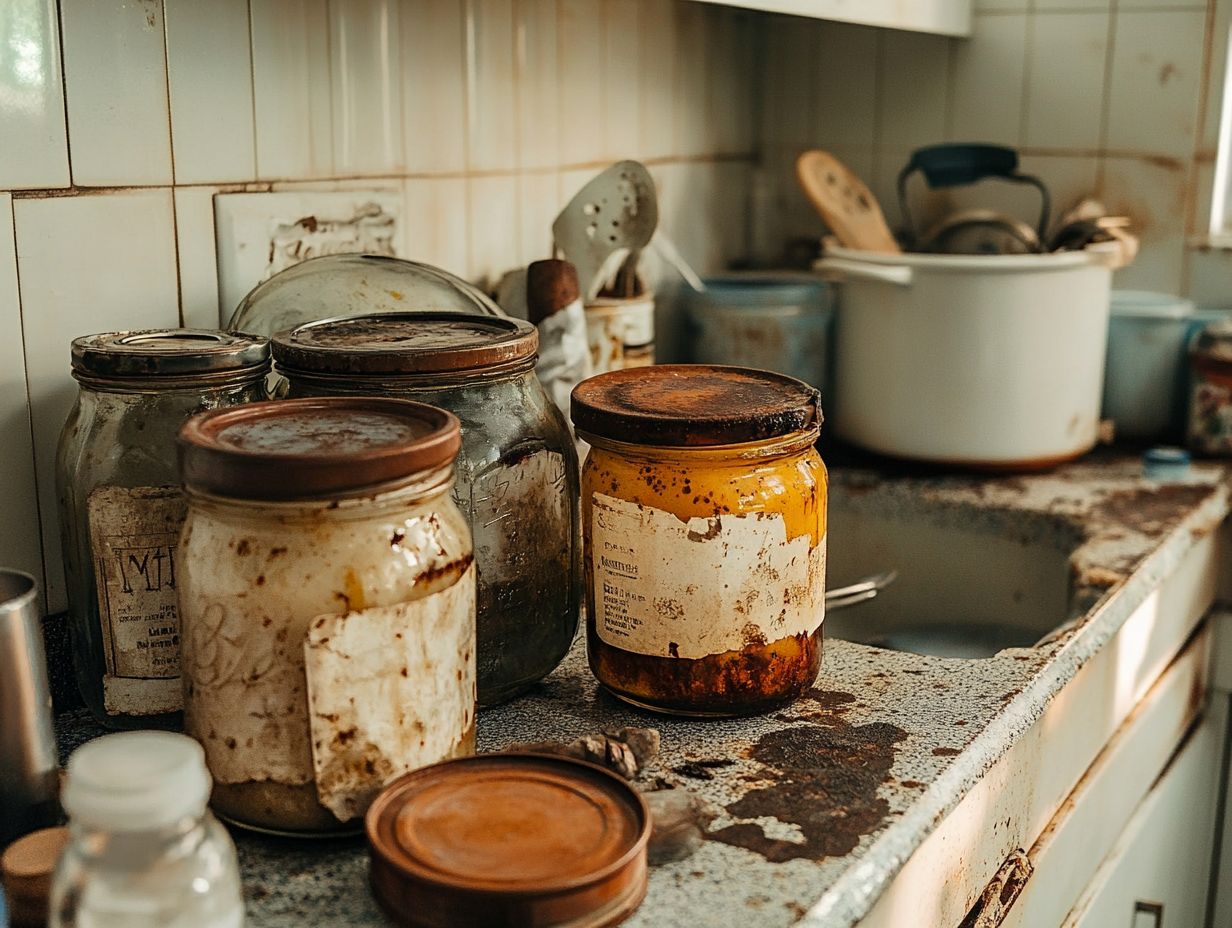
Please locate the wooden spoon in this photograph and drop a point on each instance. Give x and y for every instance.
(845, 203)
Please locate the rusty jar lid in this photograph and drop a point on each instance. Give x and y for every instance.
(314, 448)
(159, 354)
(27, 866)
(509, 839)
(407, 343)
(694, 405)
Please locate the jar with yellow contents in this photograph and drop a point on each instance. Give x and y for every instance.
(704, 523)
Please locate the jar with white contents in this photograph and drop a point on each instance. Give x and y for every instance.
(328, 605)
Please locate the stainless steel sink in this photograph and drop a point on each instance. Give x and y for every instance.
(971, 582)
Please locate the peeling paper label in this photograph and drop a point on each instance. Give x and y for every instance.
(390, 689)
(669, 588)
(134, 534)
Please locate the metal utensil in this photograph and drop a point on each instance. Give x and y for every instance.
(612, 216)
(671, 254)
(860, 591)
(981, 232)
(29, 783)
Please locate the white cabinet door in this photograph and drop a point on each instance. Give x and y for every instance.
(947, 17)
(1158, 873)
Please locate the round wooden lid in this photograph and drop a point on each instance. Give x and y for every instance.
(509, 839)
(682, 405)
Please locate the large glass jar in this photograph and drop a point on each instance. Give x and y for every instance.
(704, 518)
(121, 507)
(328, 603)
(517, 472)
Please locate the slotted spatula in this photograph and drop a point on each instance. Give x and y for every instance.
(845, 203)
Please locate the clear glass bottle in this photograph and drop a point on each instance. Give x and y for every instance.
(121, 507)
(517, 471)
(328, 605)
(144, 851)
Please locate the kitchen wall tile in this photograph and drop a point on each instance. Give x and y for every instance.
(291, 88)
(1208, 277)
(846, 81)
(1069, 179)
(34, 143)
(1002, 6)
(492, 142)
(436, 222)
(1216, 78)
(1123, 5)
(1071, 6)
(115, 81)
(87, 264)
(209, 79)
(1201, 195)
(657, 108)
(1155, 82)
(730, 213)
(988, 81)
(1152, 195)
(622, 79)
(538, 205)
(366, 79)
(197, 258)
(691, 67)
(493, 228)
(1065, 84)
(537, 69)
(434, 85)
(913, 89)
(580, 81)
(788, 101)
(733, 37)
(20, 545)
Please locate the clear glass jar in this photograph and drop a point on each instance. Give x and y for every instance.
(517, 471)
(328, 605)
(121, 507)
(704, 518)
(144, 851)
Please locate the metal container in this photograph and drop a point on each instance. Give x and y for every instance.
(28, 772)
(621, 332)
(768, 323)
(1210, 396)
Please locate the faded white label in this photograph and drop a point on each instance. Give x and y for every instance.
(134, 534)
(671, 588)
(390, 689)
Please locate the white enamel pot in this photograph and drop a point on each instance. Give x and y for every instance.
(981, 361)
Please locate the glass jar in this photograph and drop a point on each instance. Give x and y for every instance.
(327, 595)
(1210, 392)
(704, 519)
(121, 507)
(144, 851)
(517, 471)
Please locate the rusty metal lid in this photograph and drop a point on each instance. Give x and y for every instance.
(167, 353)
(509, 839)
(407, 343)
(314, 448)
(694, 405)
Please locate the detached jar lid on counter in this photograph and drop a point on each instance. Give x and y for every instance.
(704, 523)
(160, 358)
(509, 839)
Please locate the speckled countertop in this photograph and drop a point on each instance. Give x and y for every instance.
(823, 802)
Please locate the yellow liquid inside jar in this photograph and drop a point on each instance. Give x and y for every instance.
(702, 495)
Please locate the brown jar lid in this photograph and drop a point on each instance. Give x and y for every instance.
(27, 865)
(406, 343)
(509, 839)
(167, 353)
(314, 448)
(693, 405)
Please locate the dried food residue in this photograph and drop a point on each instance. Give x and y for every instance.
(825, 780)
(702, 769)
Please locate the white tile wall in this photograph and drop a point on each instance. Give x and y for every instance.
(34, 142)
(1065, 79)
(115, 86)
(87, 264)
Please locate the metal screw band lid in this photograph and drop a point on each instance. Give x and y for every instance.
(406, 343)
(694, 405)
(167, 353)
(314, 448)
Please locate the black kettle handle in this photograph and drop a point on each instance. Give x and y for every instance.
(961, 165)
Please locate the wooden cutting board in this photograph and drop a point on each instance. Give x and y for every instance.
(845, 203)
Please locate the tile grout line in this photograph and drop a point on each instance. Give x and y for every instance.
(68, 142)
(25, 359)
(1203, 111)
(175, 219)
(1028, 52)
(1106, 100)
(252, 81)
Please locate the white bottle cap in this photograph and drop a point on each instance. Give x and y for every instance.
(136, 781)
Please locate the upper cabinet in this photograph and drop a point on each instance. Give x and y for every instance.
(946, 17)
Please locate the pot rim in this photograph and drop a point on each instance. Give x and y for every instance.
(1055, 261)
